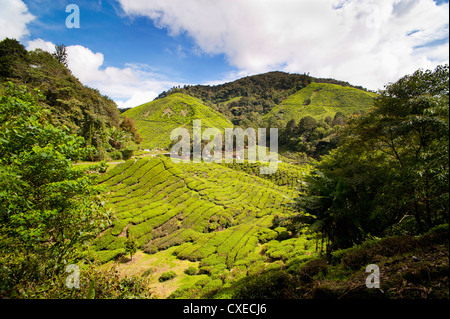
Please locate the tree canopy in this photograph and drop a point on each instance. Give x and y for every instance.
(49, 208)
(390, 173)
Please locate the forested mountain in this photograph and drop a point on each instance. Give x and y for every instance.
(307, 111)
(247, 100)
(83, 110)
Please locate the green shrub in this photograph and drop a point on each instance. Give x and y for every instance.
(127, 153)
(191, 271)
(312, 268)
(211, 288)
(283, 234)
(275, 284)
(148, 272)
(167, 276)
(115, 155)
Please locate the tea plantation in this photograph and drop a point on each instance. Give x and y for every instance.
(220, 216)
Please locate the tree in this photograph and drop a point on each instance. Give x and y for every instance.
(130, 245)
(391, 163)
(61, 54)
(13, 55)
(306, 124)
(410, 127)
(127, 125)
(48, 208)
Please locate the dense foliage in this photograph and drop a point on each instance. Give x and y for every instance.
(311, 137)
(48, 207)
(83, 110)
(390, 173)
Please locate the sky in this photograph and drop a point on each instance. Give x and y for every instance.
(132, 50)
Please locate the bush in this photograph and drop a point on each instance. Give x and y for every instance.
(150, 249)
(191, 271)
(128, 150)
(167, 276)
(311, 269)
(115, 155)
(283, 234)
(275, 284)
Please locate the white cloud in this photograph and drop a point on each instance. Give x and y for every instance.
(14, 17)
(129, 86)
(41, 44)
(365, 42)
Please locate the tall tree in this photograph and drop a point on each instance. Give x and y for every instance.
(61, 54)
(128, 126)
(48, 208)
(392, 165)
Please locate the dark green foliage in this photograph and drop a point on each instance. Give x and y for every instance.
(48, 208)
(191, 271)
(94, 283)
(276, 284)
(13, 57)
(83, 110)
(361, 256)
(312, 268)
(312, 137)
(391, 168)
(167, 276)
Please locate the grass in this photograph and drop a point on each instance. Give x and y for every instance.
(154, 266)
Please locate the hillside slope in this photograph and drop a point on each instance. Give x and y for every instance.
(85, 111)
(320, 100)
(155, 120)
(206, 213)
(245, 101)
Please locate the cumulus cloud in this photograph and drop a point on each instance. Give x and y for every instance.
(17, 26)
(40, 44)
(132, 85)
(365, 42)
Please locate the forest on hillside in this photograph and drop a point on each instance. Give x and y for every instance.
(84, 111)
(247, 100)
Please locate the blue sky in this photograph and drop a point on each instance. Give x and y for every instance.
(132, 50)
(123, 39)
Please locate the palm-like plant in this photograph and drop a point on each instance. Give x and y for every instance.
(323, 206)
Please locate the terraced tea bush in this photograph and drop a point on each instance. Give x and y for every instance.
(191, 271)
(213, 214)
(167, 276)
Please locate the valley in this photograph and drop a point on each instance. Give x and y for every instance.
(210, 214)
(361, 179)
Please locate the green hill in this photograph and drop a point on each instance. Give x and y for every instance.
(155, 120)
(320, 100)
(246, 100)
